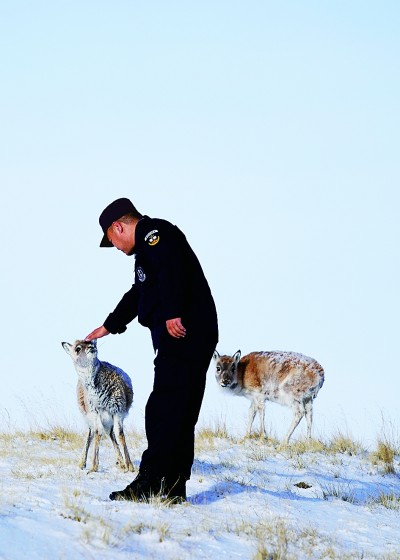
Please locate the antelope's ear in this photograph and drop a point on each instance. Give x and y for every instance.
(215, 355)
(67, 347)
(237, 355)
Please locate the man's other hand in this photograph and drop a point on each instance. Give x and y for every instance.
(175, 328)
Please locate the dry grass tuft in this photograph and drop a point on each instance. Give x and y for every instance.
(207, 436)
(135, 439)
(279, 550)
(259, 452)
(341, 443)
(340, 491)
(217, 429)
(299, 447)
(57, 433)
(385, 455)
(75, 511)
(387, 500)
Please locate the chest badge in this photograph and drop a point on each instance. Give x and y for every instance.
(152, 238)
(140, 274)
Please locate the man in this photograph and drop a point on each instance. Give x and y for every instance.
(172, 298)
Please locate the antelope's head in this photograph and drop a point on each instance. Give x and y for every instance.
(226, 370)
(83, 353)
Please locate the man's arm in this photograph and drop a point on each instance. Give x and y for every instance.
(124, 313)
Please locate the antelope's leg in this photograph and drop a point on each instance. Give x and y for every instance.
(118, 427)
(308, 407)
(252, 415)
(97, 437)
(298, 413)
(120, 461)
(89, 439)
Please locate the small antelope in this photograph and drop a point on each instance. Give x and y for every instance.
(104, 395)
(286, 378)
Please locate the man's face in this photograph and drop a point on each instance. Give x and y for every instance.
(121, 237)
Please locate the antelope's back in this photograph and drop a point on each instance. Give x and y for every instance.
(302, 373)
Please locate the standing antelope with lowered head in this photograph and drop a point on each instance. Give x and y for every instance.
(104, 395)
(287, 378)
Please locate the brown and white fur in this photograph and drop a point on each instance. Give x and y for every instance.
(287, 378)
(104, 394)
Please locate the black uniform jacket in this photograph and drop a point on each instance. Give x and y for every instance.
(169, 283)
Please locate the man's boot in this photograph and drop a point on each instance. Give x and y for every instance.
(174, 490)
(141, 489)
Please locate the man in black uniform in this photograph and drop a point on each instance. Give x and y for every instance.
(172, 298)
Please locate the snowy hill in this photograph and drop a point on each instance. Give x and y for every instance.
(248, 499)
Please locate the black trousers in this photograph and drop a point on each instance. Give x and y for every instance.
(172, 410)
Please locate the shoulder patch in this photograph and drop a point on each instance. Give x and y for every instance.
(152, 238)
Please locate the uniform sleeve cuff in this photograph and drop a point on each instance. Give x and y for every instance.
(111, 325)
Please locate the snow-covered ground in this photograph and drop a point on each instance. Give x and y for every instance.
(247, 499)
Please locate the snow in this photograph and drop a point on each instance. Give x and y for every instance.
(247, 498)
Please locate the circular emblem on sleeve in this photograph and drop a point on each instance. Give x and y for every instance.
(152, 238)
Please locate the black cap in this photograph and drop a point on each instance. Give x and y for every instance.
(113, 212)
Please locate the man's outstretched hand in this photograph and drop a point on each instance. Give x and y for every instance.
(97, 333)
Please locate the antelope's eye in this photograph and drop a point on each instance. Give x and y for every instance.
(233, 368)
(218, 368)
(78, 349)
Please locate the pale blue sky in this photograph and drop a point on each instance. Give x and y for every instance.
(269, 132)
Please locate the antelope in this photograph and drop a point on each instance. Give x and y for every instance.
(104, 394)
(287, 378)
